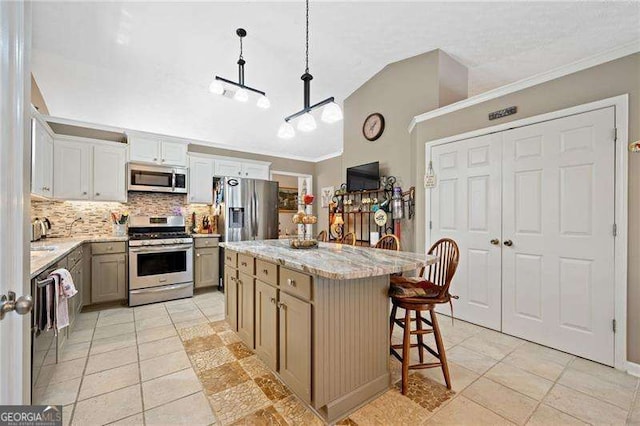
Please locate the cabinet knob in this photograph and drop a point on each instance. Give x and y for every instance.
(109, 248)
(84, 193)
(508, 243)
(163, 160)
(291, 282)
(265, 271)
(495, 241)
(281, 305)
(243, 263)
(97, 194)
(273, 300)
(155, 159)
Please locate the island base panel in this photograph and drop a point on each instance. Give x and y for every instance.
(350, 343)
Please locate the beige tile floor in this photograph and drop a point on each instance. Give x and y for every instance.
(129, 366)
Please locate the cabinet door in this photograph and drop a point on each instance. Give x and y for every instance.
(231, 297)
(266, 330)
(144, 150)
(295, 345)
(245, 308)
(71, 164)
(228, 168)
(206, 267)
(200, 180)
(41, 160)
(78, 280)
(173, 154)
(255, 171)
(109, 173)
(108, 278)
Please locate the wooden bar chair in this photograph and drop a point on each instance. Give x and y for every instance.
(388, 242)
(349, 239)
(420, 295)
(322, 236)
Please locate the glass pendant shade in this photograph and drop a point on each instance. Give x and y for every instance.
(307, 123)
(216, 87)
(263, 102)
(286, 131)
(331, 113)
(241, 95)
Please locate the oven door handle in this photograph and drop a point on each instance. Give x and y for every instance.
(150, 249)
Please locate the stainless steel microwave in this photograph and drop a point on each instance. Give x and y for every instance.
(144, 177)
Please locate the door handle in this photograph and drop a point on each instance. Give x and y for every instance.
(508, 243)
(8, 303)
(495, 241)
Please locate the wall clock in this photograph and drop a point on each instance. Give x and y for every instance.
(373, 126)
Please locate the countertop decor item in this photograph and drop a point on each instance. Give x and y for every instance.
(331, 112)
(373, 126)
(220, 85)
(120, 224)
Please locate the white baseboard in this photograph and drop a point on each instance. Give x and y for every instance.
(633, 368)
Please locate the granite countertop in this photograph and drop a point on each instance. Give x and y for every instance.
(205, 235)
(334, 261)
(41, 260)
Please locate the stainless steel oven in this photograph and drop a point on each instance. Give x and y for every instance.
(158, 265)
(143, 177)
(160, 260)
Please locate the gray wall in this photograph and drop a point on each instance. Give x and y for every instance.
(399, 91)
(600, 82)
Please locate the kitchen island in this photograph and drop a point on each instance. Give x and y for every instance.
(319, 317)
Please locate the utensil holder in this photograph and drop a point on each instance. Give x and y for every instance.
(119, 230)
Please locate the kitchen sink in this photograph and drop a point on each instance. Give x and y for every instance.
(44, 248)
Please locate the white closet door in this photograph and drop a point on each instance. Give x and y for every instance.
(558, 211)
(465, 206)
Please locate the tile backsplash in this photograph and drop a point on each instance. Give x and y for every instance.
(96, 215)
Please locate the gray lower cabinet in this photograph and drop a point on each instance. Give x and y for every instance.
(108, 277)
(295, 344)
(266, 325)
(245, 294)
(231, 297)
(206, 267)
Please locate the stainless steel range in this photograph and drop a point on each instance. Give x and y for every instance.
(160, 259)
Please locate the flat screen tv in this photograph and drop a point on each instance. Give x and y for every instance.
(363, 177)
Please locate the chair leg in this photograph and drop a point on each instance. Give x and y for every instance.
(441, 350)
(392, 318)
(406, 347)
(420, 336)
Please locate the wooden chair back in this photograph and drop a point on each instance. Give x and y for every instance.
(349, 239)
(322, 236)
(442, 272)
(389, 242)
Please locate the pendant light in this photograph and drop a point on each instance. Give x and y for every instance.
(217, 86)
(306, 122)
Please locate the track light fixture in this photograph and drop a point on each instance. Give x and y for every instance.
(306, 122)
(219, 85)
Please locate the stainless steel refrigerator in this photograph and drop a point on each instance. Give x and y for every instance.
(248, 210)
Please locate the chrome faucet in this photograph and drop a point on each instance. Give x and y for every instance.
(71, 226)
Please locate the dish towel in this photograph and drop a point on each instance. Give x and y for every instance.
(64, 289)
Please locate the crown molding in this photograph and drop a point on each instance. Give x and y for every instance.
(579, 65)
(328, 156)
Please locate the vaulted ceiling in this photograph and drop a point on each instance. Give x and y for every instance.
(147, 66)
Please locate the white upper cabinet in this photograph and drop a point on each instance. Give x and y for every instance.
(41, 160)
(156, 151)
(89, 171)
(245, 169)
(174, 154)
(71, 170)
(144, 150)
(228, 168)
(255, 171)
(200, 180)
(109, 172)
